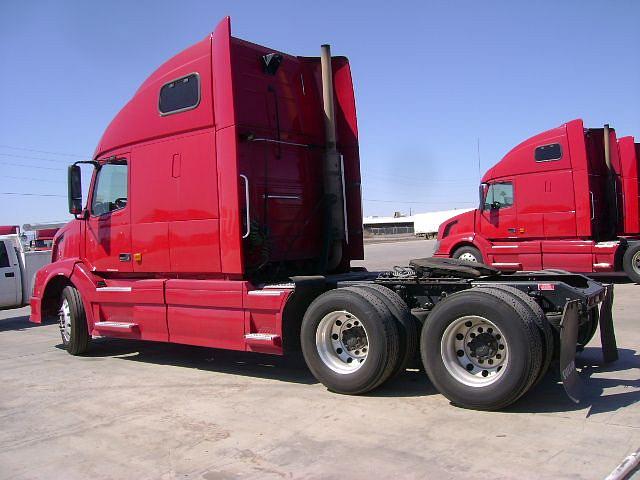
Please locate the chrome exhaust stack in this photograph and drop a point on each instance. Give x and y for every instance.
(333, 180)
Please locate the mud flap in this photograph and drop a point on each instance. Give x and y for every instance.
(568, 340)
(607, 334)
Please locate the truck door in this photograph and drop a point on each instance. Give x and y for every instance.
(9, 275)
(498, 216)
(108, 231)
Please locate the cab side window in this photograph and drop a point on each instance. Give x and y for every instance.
(499, 195)
(110, 192)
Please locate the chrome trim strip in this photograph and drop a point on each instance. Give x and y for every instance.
(246, 198)
(113, 289)
(261, 336)
(272, 293)
(115, 325)
(280, 142)
(282, 197)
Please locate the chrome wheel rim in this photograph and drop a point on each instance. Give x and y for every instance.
(635, 262)
(342, 342)
(64, 317)
(469, 257)
(474, 351)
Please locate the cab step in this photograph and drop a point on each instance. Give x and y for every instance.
(115, 326)
(263, 342)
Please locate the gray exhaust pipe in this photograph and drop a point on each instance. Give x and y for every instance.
(332, 180)
(607, 148)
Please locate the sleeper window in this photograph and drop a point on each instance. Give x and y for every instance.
(180, 94)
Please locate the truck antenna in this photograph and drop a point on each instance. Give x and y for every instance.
(478, 150)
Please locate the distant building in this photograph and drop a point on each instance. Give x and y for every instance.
(423, 224)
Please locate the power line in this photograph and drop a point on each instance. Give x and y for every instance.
(414, 181)
(43, 151)
(31, 178)
(30, 166)
(34, 158)
(33, 194)
(380, 174)
(421, 203)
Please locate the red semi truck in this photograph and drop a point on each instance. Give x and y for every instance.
(224, 210)
(564, 199)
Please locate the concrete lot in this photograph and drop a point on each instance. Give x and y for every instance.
(142, 410)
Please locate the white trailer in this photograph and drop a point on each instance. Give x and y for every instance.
(17, 270)
(427, 224)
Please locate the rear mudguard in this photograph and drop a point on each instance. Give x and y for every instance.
(569, 326)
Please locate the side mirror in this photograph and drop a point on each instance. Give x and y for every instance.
(74, 189)
(482, 191)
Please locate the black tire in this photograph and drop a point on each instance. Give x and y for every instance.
(78, 339)
(519, 332)
(381, 331)
(471, 251)
(544, 327)
(630, 261)
(406, 324)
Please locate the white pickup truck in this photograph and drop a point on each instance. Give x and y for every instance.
(17, 271)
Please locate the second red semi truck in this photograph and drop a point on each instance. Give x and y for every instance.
(565, 199)
(224, 211)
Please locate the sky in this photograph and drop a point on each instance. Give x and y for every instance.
(433, 81)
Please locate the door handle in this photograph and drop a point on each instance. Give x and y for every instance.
(511, 230)
(246, 199)
(9, 274)
(125, 257)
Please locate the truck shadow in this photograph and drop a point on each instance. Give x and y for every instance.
(290, 368)
(549, 395)
(18, 323)
(615, 278)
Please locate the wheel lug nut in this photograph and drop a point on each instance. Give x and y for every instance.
(490, 362)
(334, 336)
(338, 322)
(459, 336)
(480, 360)
(468, 324)
(472, 335)
(480, 330)
(498, 356)
(498, 337)
(460, 353)
(357, 352)
(501, 347)
(469, 367)
(485, 373)
(338, 351)
(349, 360)
(348, 325)
(490, 330)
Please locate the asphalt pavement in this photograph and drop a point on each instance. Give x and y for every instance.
(159, 411)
